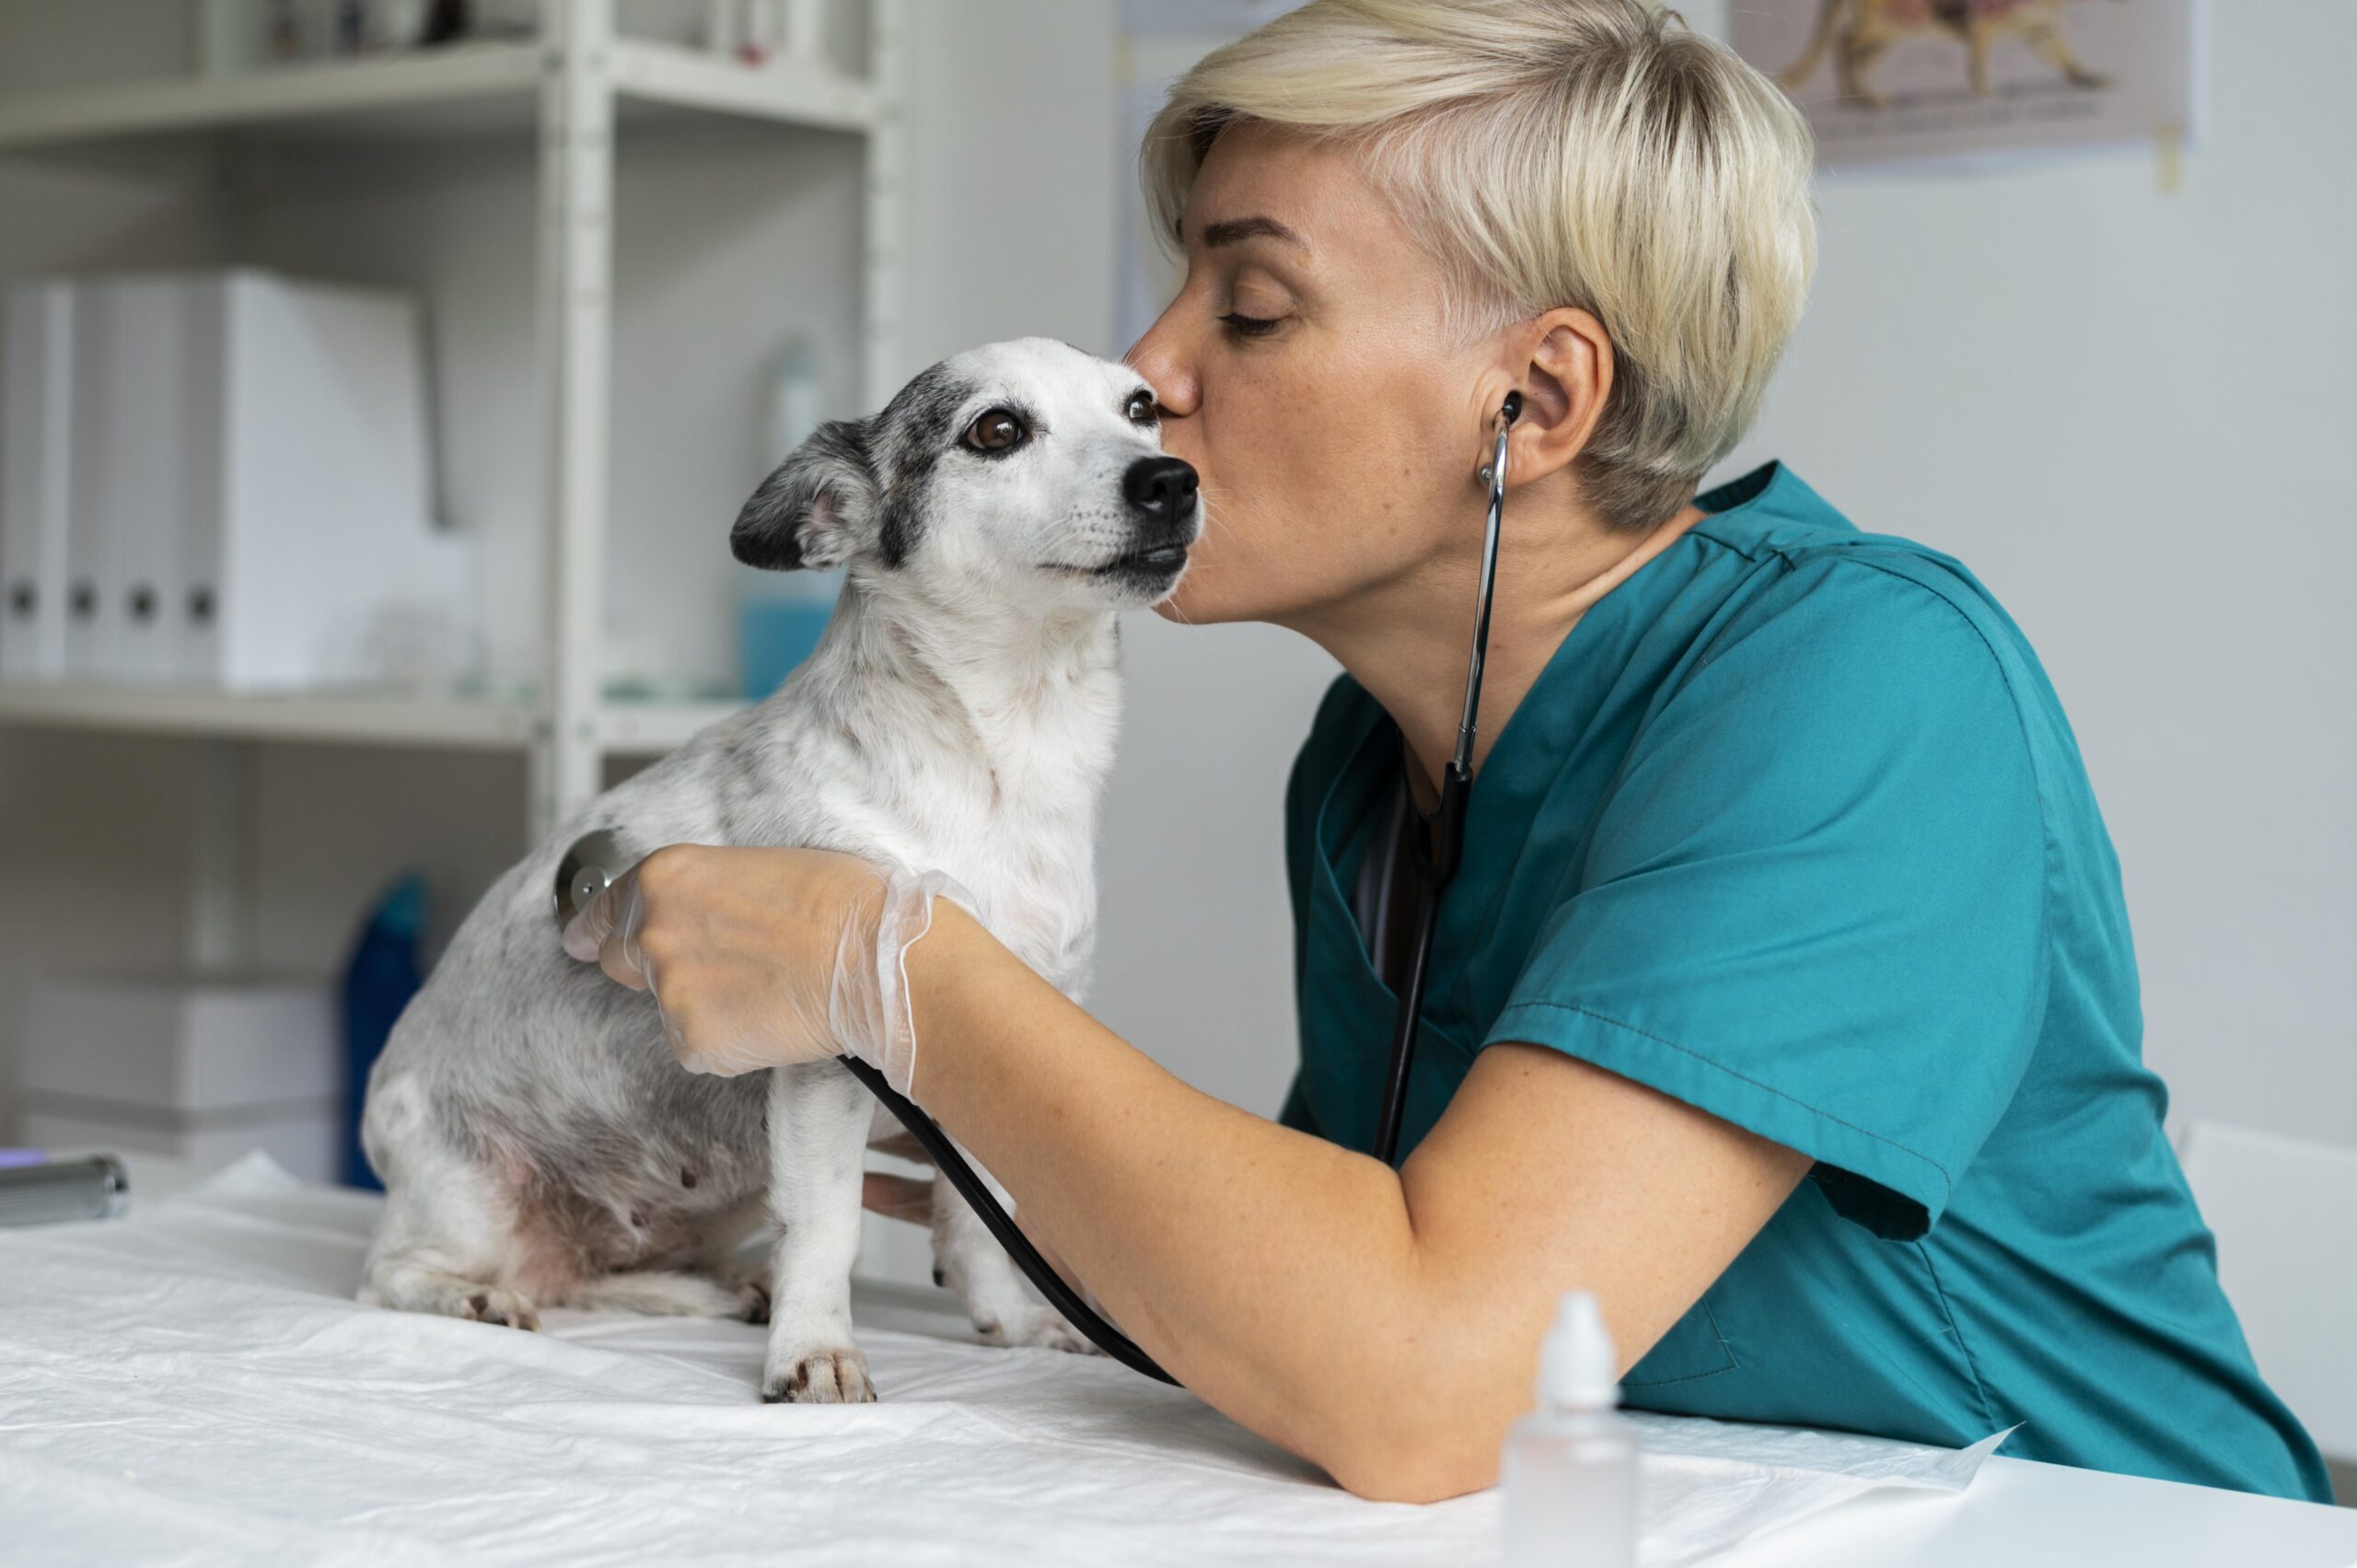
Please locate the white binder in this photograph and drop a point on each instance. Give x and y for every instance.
(36, 426)
(146, 451)
(318, 553)
(191, 584)
(229, 473)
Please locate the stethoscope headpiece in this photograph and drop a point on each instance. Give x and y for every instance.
(1494, 471)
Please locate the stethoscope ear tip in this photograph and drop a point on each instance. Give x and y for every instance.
(1508, 411)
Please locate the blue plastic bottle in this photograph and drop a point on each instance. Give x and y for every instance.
(381, 977)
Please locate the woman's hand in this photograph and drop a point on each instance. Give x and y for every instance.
(763, 958)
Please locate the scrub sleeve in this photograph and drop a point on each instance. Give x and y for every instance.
(1813, 906)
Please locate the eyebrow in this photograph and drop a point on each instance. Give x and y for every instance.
(1237, 230)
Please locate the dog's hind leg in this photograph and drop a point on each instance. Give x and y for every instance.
(729, 1257)
(446, 1229)
(668, 1293)
(818, 1121)
(441, 1254)
(969, 1259)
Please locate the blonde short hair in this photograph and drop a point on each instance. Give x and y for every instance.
(1596, 153)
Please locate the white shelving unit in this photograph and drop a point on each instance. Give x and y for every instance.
(576, 88)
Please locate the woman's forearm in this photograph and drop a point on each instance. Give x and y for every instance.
(1273, 1272)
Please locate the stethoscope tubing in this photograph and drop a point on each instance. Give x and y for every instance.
(971, 1187)
(1437, 852)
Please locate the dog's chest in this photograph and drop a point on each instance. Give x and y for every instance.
(1028, 850)
(1033, 871)
(1037, 891)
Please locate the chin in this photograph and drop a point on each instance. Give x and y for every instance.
(1204, 597)
(1187, 604)
(1223, 585)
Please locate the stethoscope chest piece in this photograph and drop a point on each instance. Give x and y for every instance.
(588, 869)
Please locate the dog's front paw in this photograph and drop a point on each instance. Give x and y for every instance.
(1043, 1327)
(835, 1376)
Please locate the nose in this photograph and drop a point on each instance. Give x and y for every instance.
(1164, 357)
(1162, 488)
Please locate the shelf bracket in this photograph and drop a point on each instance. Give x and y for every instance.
(577, 338)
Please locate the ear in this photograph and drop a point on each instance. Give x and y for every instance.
(1562, 364)
(818, 509)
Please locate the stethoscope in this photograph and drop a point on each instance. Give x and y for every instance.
(594, 860)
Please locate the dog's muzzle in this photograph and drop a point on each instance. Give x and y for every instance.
(1161, 493)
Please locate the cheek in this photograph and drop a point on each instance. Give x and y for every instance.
(1002, 524)
(973, 527)
(1314, 490)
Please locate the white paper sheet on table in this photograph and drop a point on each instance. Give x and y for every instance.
(196, 1383)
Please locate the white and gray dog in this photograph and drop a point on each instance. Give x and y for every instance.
(539, 1145)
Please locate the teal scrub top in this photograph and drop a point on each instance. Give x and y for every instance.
(1791, 828)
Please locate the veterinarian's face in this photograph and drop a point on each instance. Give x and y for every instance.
(1305, 371)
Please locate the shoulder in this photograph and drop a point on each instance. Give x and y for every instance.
(1838, 675)
(1850, 623)
(1800, 571)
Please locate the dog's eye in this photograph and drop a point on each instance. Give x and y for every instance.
(1141, 408)
(995, 430)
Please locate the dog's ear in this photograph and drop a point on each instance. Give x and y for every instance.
(819, 508)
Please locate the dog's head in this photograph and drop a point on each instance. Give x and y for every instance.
(1028, 471)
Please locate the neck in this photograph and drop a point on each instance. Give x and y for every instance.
(1407, 640)
(993, 680)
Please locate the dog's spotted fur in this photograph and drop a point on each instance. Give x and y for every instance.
(539, 1145)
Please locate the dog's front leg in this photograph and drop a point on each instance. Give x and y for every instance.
(818, 1121)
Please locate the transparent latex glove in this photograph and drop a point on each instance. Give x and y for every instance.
(766, 957)
(868, 1000)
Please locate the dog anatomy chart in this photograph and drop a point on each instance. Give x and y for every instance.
(1965, 79)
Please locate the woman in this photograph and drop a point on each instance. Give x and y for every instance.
(1785, 996)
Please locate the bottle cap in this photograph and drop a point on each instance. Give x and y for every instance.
(1578, 1362)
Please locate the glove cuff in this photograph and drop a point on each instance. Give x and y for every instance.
(906, 914)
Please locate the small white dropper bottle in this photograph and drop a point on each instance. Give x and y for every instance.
(1570, 1471)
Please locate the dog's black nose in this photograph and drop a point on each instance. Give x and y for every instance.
(1163, 488)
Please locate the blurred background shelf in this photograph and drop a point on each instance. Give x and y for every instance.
(427, 96)
(653, 73)
(640, 729)
(358, 718)
(382, 718)
(404, 93)
(606, 313)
